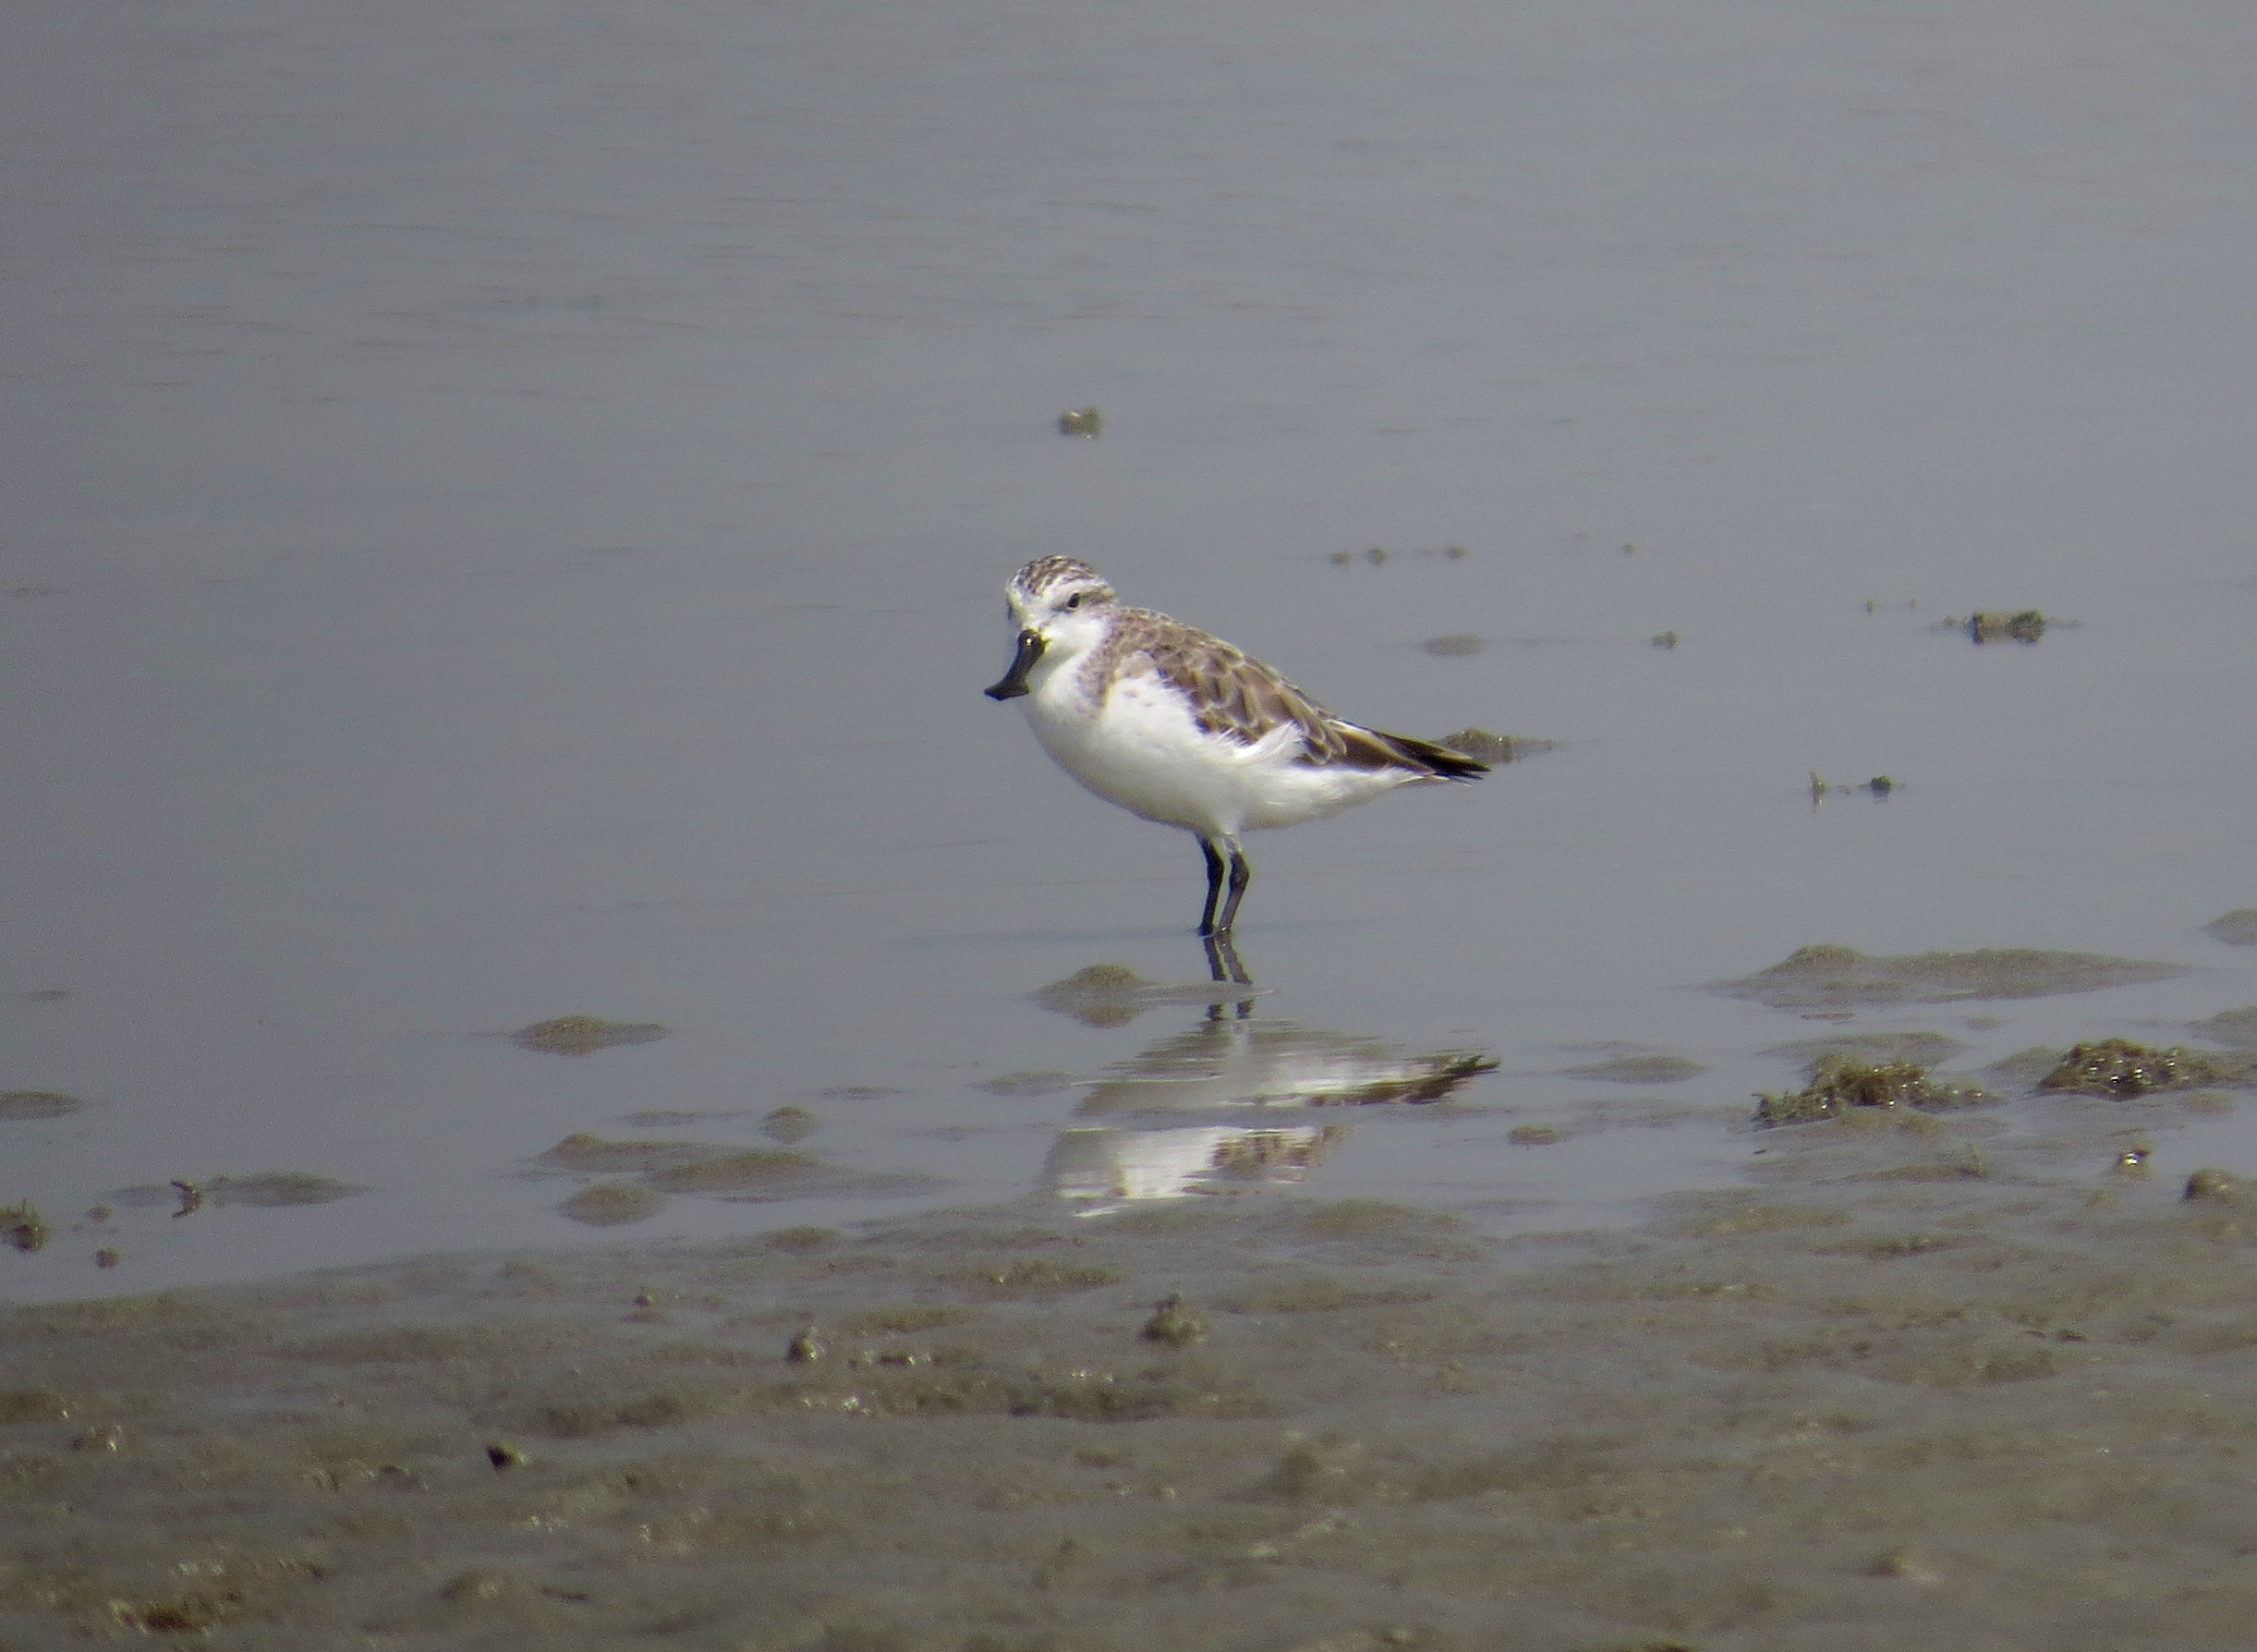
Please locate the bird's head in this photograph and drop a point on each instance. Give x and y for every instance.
(1061, 607)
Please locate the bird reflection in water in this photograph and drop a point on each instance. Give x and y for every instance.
(1222, 963)
(1227, 1062)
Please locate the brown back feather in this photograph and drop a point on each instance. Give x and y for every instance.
(1242, 699)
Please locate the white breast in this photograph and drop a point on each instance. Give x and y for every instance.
(1141, 747)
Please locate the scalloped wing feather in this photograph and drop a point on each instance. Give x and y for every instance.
(1242, 699)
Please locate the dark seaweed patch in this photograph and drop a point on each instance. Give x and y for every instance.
(1841, 1082)
(584, 1035)
(2119, 1067)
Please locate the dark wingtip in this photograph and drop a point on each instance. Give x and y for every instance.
(1446, 763)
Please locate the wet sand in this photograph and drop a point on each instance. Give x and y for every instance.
(1927, 1381)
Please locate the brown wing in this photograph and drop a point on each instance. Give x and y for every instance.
(1239, 697)
(1231, 693)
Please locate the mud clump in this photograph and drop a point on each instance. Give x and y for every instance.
(2118, 1067)
(23, 1228)
(2229, 1027)
(2238, 927)
(1833, 977)
(1841, 1082)
(1172, 1325)
(791, 1125)
(612, 1204)
(2028, 625)
(37, 1104)
(1098, 995)
(584, 1035)
(2222, 1187)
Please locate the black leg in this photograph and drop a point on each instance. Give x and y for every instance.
(1242, 874)
(1214, 886)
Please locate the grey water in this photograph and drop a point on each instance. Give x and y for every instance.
(507, 509)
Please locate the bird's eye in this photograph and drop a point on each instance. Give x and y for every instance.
(1074, 600)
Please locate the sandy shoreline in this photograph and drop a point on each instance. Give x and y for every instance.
(1928, 1380)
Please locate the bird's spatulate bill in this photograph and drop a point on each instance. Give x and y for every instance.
(1015, 680)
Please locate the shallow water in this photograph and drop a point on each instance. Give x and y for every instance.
(1924, 1382)
(511, 508)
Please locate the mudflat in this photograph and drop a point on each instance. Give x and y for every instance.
(1926, 1380)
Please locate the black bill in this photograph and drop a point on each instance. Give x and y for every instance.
(1015, 680)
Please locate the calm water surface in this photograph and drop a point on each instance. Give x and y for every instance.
(508, 503)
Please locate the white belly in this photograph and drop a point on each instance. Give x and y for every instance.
(1143, 750)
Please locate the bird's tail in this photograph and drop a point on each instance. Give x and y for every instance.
(1438, 760)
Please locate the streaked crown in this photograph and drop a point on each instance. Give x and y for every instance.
(1058, 597)
(1036, 582)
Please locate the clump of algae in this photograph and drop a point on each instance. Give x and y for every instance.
(2119, 1067)
(22, 1227)
(1174, 1325)
(583, 1035)
(2027, 626)
(1841, 1082)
